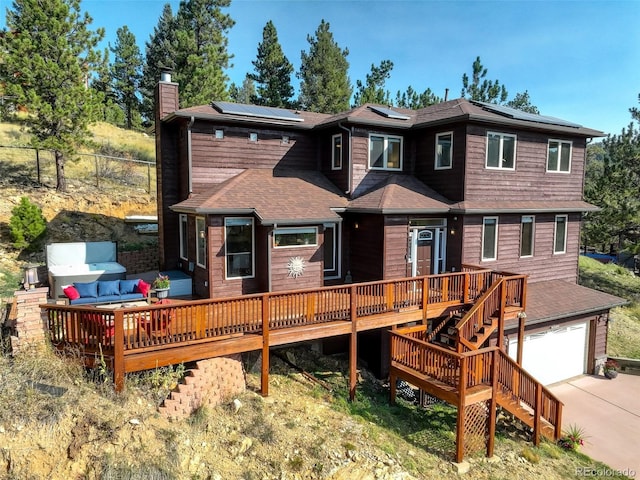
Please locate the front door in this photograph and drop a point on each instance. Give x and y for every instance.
(424, 252)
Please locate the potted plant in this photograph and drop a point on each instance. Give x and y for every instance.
(611, 368)
(161, 285)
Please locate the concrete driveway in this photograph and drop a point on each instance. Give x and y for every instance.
(609, 413)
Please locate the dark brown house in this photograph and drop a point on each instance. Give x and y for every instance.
(257, 199)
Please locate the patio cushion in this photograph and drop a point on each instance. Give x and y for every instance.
(89, 289)
(71, 292)
(108, 288)
(128, 286)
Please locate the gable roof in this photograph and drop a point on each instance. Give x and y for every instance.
(400, 194)
(274, 196)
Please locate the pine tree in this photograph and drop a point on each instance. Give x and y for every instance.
(481, 89)
(126, 74)
(48, 56)
(101, 83)
(373, 91)
(243, 94)
(159, 53)
(273, 71)
(201, 51)
(414, 100)
(522, 101)
(325, 85)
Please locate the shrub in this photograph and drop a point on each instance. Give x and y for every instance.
(27, 224)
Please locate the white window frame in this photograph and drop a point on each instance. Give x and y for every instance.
(495, 241)
(201, 235)
(337, 247)
(501, 151)
(438, 156)
(533, 234)
(228, 220)
(183, 224)
(336, 165)
(218, 134)
(555, 234)
(293, 230)
(560, 148)
(385, 161)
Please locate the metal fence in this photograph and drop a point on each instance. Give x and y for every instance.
(103, 171)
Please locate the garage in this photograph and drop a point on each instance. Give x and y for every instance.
(555, 354)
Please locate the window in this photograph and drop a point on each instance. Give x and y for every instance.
(559, 156)
(239, 243)
(385, 152)
(560, 235)
(201, 242)
(253, 137)
(184, 242)
(489, 238)
(219, 134)
(501, 151)
(527, 229)
(331, 251)
(336, 152)
(295, 237)
(444, 150)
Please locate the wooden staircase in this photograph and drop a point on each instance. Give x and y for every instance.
(454, 363)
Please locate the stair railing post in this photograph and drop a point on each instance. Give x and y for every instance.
(503, 306)
(558, 426)
(466, 287)
(425, 298)
(536, 414)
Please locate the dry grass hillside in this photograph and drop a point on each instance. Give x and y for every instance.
(59, 421)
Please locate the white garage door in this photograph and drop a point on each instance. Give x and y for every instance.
(554, 355)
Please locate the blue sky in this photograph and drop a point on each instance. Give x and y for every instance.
(579, 60)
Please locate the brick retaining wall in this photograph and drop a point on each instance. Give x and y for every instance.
(139, 261)
(28, 323)
(212, 382)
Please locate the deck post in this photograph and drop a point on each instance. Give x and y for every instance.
(493, 403)
(462, 392)
(353, 344)
(264, 376)
(520, 339)
(558, 430)
(536, 414)
(425, 299)
(118, 350)
(466, 287)
(392, 375)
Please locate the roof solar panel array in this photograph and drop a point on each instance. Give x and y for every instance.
(257, 111)
(387, 112)
(521, 115)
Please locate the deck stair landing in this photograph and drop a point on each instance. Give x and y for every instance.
(451, 364)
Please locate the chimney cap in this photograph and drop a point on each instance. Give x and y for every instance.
(165, 74)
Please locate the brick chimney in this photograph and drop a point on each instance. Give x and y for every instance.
(166, 95)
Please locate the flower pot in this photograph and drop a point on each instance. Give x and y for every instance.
(162, 292)
(611, 373)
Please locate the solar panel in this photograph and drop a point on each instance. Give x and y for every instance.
(526, 116)
(257, 111)
(387, 112)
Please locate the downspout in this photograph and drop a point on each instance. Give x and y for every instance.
(189, 156)
(349, 165)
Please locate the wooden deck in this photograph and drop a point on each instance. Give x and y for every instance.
(138, 338)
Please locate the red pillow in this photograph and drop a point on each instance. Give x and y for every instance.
(143, 287)
(71, 292)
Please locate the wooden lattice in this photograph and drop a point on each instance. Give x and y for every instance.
(476, 427)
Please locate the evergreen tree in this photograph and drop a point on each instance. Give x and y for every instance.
(101, 83)
(481, 89)
(126, 74)
(522, 101)
(414, 100)
(373, 91)
(48, 56)
(325, 85)
(273, 72)
(201, 51)
(635, 112)
(243, 94)
(159, 53)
